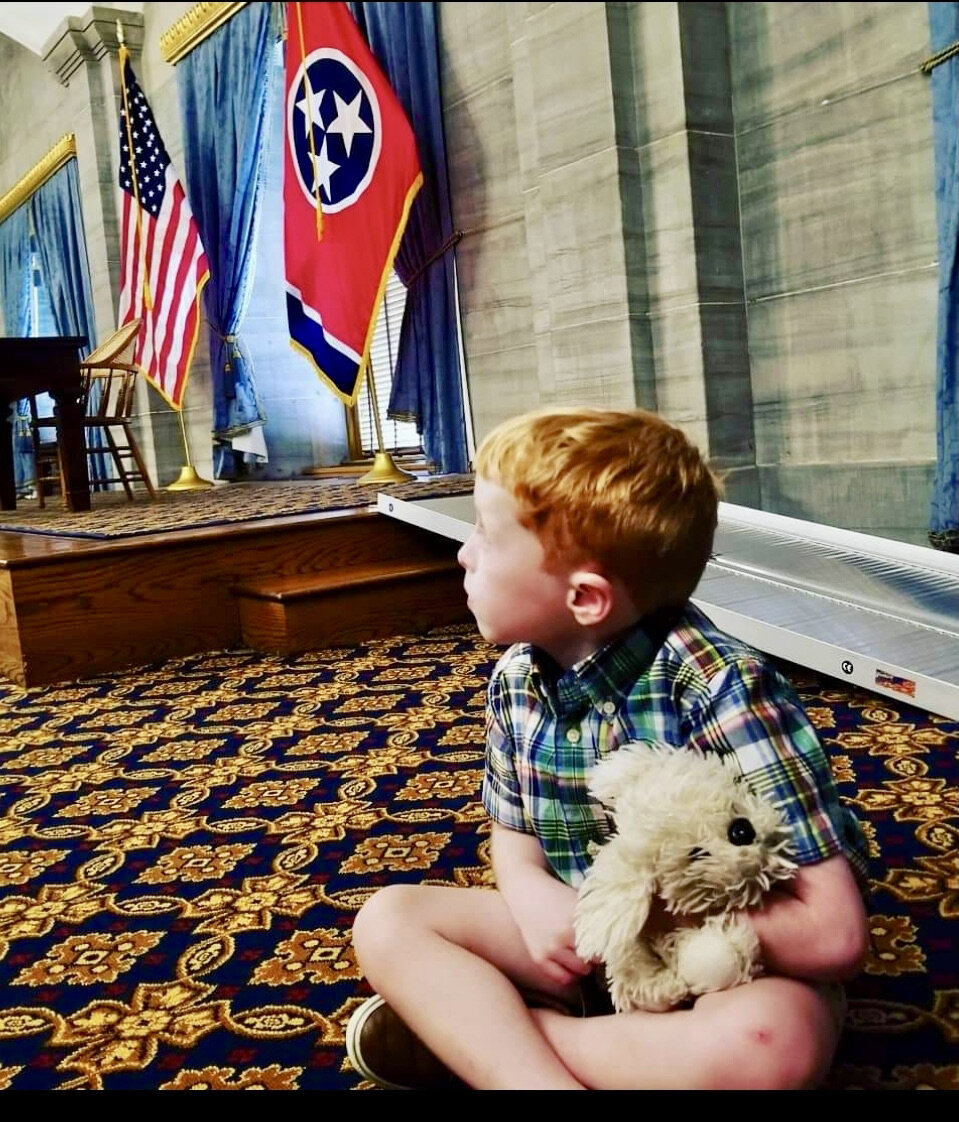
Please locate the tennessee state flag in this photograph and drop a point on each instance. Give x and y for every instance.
(350, 175)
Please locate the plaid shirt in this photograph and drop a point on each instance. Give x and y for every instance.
(691, 685)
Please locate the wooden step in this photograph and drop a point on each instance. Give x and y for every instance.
(352, 604)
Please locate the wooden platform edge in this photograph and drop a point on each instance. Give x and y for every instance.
(77, 610)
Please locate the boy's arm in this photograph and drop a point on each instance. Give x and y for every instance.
(541, 905)
(817, 928)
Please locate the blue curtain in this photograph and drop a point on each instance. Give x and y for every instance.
(427, 386)
(224, 84)
(944, 521)
(61, 243)
(15, 294)
(62, 248)
(15, 271)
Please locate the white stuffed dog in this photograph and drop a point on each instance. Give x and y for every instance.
(688, 831)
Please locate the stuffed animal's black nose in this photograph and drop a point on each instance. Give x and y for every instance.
(741, 832)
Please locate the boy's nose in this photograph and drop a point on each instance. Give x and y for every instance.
(461, 554)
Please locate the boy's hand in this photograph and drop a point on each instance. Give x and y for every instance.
(541, 905)
(543, 911)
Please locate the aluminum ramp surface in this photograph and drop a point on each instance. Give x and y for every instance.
(881, 614)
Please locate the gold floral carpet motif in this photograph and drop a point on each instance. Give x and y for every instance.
(183, 850)
(112, 515)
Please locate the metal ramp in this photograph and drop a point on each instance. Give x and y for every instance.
(881, 614)
(878, 613)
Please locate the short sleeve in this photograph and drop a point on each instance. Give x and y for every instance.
(501, 789)
(752, 713)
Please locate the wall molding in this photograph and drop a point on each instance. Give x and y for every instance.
(64, 149)
(193, 27)
(81, 40)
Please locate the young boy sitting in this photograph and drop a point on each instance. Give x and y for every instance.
(592, 530)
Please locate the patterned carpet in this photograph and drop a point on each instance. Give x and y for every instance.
(183, 849)
(112, 515)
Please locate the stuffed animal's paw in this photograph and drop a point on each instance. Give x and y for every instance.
(720, 954)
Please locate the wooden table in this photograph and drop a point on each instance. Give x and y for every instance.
(48, 364)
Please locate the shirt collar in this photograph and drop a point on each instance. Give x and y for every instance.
(605, 674)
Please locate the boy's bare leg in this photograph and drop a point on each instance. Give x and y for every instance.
(445, 959)
(772, 1034)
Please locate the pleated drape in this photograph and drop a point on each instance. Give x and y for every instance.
(944, 519)
(224, 84)
(15, 306)
(62, 246)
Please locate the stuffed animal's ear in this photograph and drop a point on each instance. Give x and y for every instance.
(622, 768)
(610, 912)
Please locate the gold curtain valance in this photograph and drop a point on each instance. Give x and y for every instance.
(64, 149)
(193, 27)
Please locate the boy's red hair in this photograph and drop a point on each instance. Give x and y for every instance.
(622, 488)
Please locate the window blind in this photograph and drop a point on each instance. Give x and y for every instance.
(398, 436)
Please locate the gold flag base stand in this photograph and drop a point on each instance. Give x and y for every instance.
(385, 470)
(353, 468)
(189, 481)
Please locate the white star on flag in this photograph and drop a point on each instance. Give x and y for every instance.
(310, 106)
(324, 168)
(348, 122)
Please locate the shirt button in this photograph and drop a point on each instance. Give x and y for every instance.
(572, 735)
(609, 708)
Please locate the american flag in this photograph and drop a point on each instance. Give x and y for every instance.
(164, 264)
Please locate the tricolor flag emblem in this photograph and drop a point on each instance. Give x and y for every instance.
(350, 175)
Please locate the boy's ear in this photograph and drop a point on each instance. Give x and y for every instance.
(590, 597)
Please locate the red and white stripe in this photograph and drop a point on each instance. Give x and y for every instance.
(168, 250)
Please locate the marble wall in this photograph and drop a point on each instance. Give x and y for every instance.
(721, 211)
(834, 141)
(536, 189)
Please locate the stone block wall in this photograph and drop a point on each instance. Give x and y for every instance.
(724, 212)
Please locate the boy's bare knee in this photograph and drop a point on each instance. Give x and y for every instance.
(774, 1044)
(380, 917)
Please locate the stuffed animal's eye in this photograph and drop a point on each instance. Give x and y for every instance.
(741, 832)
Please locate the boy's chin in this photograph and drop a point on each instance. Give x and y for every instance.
(489, 633)
(493, 634)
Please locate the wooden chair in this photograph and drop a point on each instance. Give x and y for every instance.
(109, 387)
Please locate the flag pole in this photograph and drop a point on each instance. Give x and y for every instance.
(122, 55)
(384, 469)
(309, 131)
